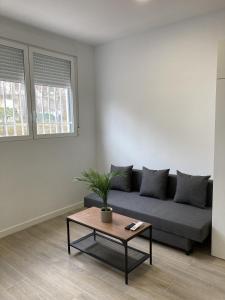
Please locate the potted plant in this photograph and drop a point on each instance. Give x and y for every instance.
(100, 184)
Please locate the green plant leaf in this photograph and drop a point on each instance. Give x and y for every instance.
(98, 183)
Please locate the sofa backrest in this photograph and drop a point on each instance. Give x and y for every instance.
(172, 183)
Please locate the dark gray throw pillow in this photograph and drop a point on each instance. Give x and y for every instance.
(191, 189)
(123, 182)
(154, 183)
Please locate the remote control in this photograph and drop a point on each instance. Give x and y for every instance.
(128, 227)
(136, 226)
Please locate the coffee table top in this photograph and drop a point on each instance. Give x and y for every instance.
(91, 217)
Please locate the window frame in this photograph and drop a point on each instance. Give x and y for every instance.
(73, 61)
(28, 50)
(24, 48)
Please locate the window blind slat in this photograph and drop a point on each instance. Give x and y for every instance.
(11, 64)
(51, 71)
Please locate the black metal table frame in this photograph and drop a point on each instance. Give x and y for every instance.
(123, 242)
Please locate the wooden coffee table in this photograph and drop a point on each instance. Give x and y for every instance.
(116, 251)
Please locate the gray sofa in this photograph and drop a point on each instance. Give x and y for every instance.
(178, 225)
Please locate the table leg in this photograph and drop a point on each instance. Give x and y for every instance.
(150, 244)
(68, 235)
(126, 263)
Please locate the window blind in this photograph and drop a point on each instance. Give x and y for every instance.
(51, 71)
(11, 64)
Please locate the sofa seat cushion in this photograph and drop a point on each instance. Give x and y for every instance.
(180, 219)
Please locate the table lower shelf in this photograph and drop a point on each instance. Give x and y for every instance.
(110, 251)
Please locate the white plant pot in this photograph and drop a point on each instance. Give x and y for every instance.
(106, 215)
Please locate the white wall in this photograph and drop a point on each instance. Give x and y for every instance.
(36, 176)
(218, 230)
(156, 97)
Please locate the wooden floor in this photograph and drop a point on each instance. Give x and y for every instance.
(34, 264)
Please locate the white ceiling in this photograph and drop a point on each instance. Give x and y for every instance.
(98, 21)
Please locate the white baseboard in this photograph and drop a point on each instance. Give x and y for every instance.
(42, 218)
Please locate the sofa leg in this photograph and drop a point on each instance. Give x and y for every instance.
(188, 252)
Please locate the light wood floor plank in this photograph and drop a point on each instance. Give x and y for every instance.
(34, 264)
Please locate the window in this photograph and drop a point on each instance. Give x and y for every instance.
(42, 80)
(14, 120)
(53, 92)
